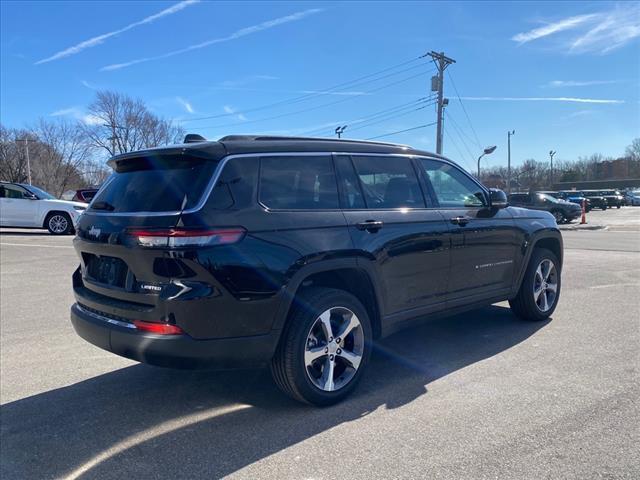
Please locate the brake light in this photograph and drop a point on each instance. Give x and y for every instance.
(184, 237)
(158, 328)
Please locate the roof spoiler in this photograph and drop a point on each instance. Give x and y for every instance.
(193, 138)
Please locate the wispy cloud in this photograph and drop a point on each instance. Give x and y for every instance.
(230, 110)
(551, 28)
(546, 99)
(578, 83)
(65, 112)
(185, 104)
(235, 35)
(92, 42)
(78, 114)
(239, 82)
(600, 32)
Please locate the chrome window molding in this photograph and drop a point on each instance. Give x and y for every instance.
(223, 162)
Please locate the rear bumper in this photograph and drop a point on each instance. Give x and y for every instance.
(176, 351)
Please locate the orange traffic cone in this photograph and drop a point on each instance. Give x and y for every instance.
(584, 212)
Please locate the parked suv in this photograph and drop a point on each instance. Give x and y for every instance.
(297, 253)
(562, 210)
(614, 198)
(573, 197)
(26, 206)
(596, 199)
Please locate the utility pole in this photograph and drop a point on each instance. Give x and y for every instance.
(340, 130)
(441, 62)
(551, 154)
(509, 133)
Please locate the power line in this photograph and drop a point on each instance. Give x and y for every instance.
(462, 157)
(322, 92)
(380, 115)
(317, 106)
(387, 118)
(465, 110)
(456, 128)
(402, 131)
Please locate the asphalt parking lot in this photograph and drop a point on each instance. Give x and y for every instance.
(479, 395)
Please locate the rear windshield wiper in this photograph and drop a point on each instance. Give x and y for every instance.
(103, 206)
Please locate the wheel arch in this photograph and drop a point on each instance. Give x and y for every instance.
(551, 240)
(345, 274)
(48, 214)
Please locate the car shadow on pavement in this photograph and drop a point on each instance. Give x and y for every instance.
(146, 422)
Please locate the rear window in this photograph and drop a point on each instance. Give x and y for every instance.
(155, 184)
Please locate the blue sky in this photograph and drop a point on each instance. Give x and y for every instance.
(564, 75)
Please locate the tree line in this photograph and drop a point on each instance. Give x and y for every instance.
(68, 154)
(535, 174)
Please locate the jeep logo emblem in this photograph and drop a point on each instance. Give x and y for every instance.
(94, 232)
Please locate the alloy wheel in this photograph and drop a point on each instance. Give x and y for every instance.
(545, 285)
(58, 224)
(334, 349)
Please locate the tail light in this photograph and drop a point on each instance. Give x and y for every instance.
(158, 328)
(184, 237)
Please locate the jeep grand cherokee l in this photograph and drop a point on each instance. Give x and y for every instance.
(297, 253)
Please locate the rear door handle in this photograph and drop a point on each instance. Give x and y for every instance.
(462, 221)
(369, 225)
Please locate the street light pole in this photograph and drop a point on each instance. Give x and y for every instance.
(340, 130)
(509, 134)
(551, 154)
(26, 147)
(487, 151)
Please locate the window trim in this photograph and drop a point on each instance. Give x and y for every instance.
(223, 162)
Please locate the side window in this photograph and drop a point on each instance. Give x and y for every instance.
(298, 183)
(349, 184)
(388, 182)
(452, 188)
(236, 185)
(13, 191)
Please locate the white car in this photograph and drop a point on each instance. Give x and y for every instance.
(29, 207)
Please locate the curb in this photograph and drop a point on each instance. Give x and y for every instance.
(583, 227)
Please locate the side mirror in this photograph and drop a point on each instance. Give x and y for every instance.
(30, 196)
(498, 198)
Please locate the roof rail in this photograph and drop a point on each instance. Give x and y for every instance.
(237, 138)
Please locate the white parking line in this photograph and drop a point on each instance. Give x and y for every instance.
(34, 245)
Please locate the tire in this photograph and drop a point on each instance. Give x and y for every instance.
(526, 304)
(604, 208)
(617, 206)
(559, 216)
(305, 358)
(59, 223)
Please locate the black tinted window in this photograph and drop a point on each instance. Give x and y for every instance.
(162, 184)
(452, 187)
(388, 182)
(351, 192)
(298, 183)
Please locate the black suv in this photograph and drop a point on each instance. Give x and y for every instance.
(613, 197)
(297, 253)
(562, 210)
(596, 199)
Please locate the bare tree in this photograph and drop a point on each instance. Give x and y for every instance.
(13, 159)
(61, 151)
(119, 124)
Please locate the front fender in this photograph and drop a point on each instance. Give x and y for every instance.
(531, 241)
